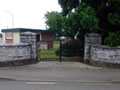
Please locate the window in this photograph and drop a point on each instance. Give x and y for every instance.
(9, 35)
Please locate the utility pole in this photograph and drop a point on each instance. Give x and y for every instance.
(11, 16)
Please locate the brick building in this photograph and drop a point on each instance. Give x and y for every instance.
(14, 35)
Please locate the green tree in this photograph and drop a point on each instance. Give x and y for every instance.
(70, 25)
(81, 21)
(113, 39)
(114, 15)
(68, 5)
(87, 17)
(54, 22)
(107, 11)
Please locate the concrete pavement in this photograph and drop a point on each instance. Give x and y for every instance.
(60, 72)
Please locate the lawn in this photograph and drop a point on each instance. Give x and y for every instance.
(49, 53)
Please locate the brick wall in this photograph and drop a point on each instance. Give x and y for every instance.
(49, 37)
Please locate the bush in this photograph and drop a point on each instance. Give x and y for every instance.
(113, 39)
(71, 48)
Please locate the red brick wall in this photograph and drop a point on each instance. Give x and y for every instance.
(49, 37)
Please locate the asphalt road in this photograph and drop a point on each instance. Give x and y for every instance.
(59, 76)
(55, 71)
(21, 85)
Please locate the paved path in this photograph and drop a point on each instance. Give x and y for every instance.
(49, 64)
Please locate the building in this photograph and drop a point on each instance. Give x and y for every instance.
(0, 38)
(13, 35)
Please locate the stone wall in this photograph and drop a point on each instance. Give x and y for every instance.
(100, 55)
(104, 56)
(30, 38)
(42, 46)
(20, 54)
(14, 54)
(90, 39)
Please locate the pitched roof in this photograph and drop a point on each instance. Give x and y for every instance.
(25, 30)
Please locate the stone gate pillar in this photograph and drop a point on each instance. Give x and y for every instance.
(31, 38)
(92, 38)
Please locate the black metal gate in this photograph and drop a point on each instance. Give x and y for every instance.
(59, 51)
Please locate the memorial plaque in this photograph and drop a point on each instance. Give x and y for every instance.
(103, 55)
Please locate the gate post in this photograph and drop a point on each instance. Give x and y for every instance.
(31, 38)
(60, 59)
(92, 38)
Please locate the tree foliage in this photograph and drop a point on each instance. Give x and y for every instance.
(68, 5)
(82, 20)
(114, 19)
(113, 39)
(54, 21)
(107, 12)
(70, 25)
(114, 15)
(87, 17)
(101, 16)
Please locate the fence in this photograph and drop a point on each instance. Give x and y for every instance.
(59, 51)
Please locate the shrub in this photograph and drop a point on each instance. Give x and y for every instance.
(113, 39)
(71, 48)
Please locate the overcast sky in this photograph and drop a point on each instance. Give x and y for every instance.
(26, 13)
